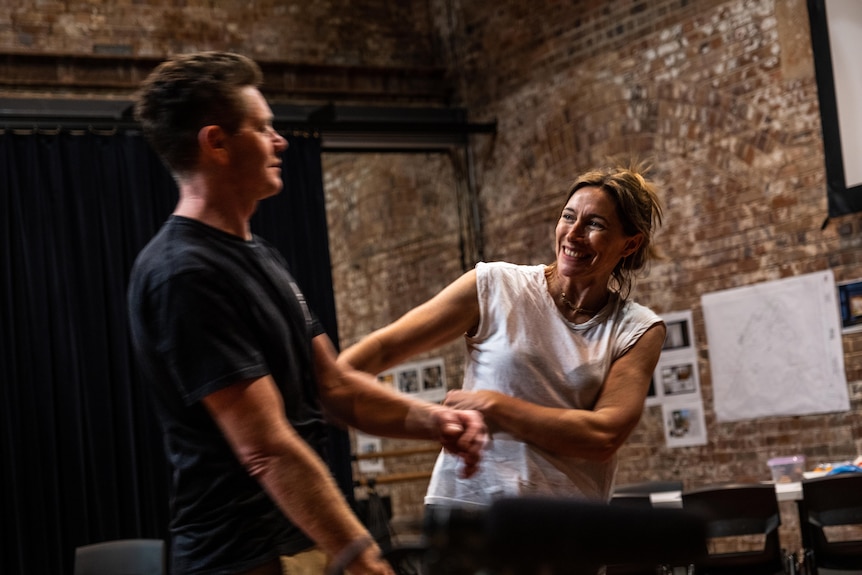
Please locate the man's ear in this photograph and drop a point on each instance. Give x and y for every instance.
(211, 140)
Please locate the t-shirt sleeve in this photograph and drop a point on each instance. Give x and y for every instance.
(637, 319)
(204, 337)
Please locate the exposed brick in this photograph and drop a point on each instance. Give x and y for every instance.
(719, 94)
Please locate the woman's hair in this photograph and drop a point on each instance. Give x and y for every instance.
(639, 210)
(188, 92)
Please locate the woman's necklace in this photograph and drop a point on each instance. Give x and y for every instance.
(575, 309)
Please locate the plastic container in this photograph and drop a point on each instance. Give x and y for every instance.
(787, 469)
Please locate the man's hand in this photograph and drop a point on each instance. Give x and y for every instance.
(462, 433)
(367, 562)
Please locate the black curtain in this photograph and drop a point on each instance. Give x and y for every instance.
(80, 450)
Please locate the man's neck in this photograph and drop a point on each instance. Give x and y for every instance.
(207, 205)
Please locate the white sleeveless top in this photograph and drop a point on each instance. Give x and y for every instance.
(524, 347)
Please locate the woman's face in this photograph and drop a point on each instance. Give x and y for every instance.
(590, 240)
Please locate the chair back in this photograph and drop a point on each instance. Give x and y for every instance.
(647, 487)
(743, 520)
(641, 500)
(828, 502)
(121, 557)
(638, 494)
(538, 535)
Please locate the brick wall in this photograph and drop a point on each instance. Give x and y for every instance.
(335, 32)
(719, 95)
(310, 51)
(721, 98)
(394, 232)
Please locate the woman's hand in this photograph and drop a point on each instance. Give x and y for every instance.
(480, 400)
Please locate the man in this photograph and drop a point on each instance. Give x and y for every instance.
(241, 369)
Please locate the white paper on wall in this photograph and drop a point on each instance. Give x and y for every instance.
(775, 348)
(676, 374)
(684, 423)
(366, 445)
(423, 379)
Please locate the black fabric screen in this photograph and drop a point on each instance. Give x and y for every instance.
(81, 452)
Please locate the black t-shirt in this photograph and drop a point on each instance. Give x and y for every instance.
(208, 309)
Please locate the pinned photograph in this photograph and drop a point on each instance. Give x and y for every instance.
(678, 334)
(850, 301)
(432, 376)
(676, 373)
(654, 395)
(387, 379)
(424, 379)
(684, 424)
(366, 446)
(408, 381)
(678, 379)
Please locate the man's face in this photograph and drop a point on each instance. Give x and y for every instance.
(255, 150)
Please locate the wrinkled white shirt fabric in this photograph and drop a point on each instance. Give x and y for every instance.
(524, 347)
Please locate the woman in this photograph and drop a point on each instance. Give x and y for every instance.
(559, 360)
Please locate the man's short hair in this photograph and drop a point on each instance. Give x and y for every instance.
(188, 92)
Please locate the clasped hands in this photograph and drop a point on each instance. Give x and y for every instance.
(463, 431)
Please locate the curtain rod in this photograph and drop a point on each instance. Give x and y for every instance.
(341, 128)
(340, 136)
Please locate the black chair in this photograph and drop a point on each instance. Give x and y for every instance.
(558, 536)
(634, 500)
(740, 515)
(121, 557)
(828, 503)
(641, 500)
(638, 494)
(648, 487)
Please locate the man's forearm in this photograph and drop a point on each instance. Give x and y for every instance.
(360, 401)
(303, 488)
